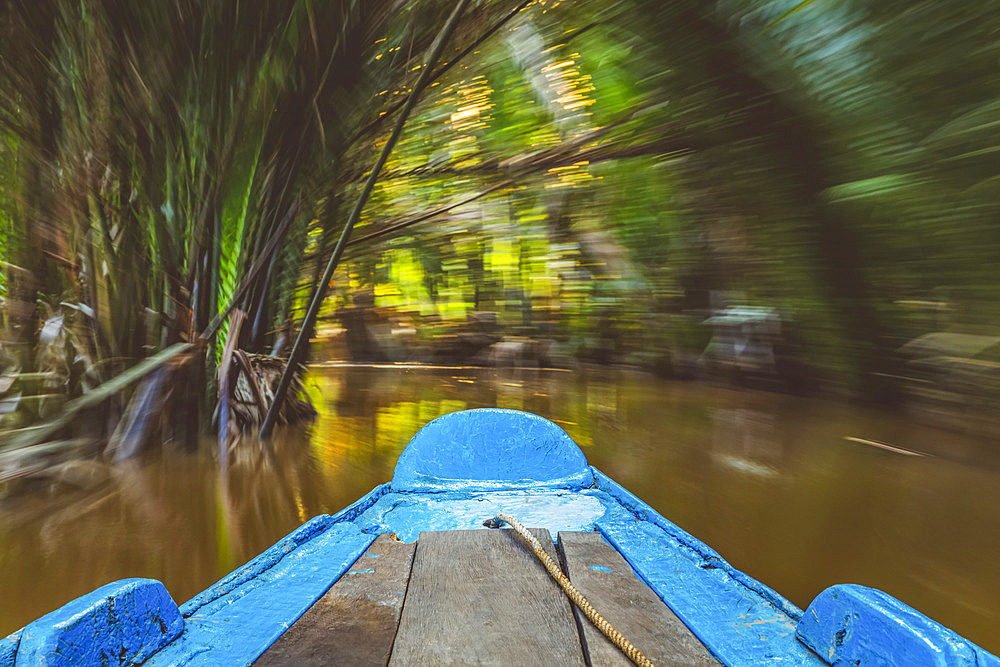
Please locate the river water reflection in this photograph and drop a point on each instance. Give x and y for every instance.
(798, 493)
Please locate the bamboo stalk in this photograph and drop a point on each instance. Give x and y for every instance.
(320, 291)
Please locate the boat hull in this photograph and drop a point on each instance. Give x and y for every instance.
(458, 471)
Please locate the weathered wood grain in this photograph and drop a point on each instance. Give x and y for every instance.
(606, 580)
(355, 621)
(480, 597)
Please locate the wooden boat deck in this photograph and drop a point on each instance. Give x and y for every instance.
(481, 597)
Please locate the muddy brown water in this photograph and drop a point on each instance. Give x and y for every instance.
(799, 493)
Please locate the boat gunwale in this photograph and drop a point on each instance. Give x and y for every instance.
(707, 579)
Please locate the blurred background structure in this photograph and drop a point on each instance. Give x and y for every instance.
(796, 196)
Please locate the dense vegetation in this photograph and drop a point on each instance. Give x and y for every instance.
(174, 176)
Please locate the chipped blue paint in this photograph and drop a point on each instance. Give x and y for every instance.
(850, 624)
(240, 621)
(600, 568)
(464, 468)
(258, 565)
(741, 621)
(8, 648)
(123, 623)
(710, 559)
(409, 514)
(489, 449)
(737, 624)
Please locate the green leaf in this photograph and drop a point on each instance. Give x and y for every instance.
(801, 5)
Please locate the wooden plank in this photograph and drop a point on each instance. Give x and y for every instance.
(606, 580)
(481, 597)
(355, 621)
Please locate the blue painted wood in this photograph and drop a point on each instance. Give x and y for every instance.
(237, 622)
(741, 621)
(409, 514)
(272, 556)
(491, 449)
(849, 624)
(460, 470)
(121, 623)
(709, 557)
(8, 648)
(258, 565)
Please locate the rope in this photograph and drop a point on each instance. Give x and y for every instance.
(609, 631)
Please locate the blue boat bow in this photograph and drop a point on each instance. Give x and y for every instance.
(459, 470)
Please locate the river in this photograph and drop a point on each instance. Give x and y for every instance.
(799, 493)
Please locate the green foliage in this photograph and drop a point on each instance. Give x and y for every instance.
(826, 159)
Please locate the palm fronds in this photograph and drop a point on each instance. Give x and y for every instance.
(159, 167)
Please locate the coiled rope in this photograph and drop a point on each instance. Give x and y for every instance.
(556, 572)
